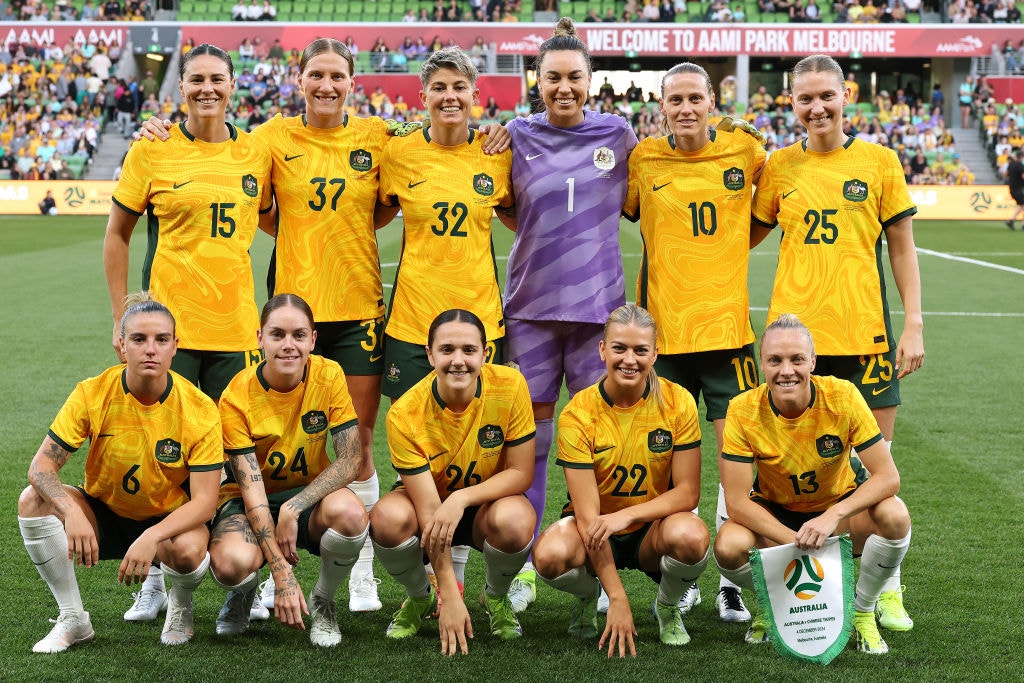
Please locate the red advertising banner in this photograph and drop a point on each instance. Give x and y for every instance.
(689, 40)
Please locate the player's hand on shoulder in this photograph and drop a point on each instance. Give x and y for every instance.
(153, 128)
(498, 138)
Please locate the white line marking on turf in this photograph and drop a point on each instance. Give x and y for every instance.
(976, 262)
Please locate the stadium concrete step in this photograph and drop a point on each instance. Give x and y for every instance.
(109, 154)
(971, 148)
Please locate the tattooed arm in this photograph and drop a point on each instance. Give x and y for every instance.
(44, 475)
(289, 603)
(338, 475)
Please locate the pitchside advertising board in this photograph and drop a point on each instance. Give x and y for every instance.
(92, 198)
(684, 40)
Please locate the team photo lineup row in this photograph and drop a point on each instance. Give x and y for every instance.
(463, 445)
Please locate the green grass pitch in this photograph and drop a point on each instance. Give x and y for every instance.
(958, 447)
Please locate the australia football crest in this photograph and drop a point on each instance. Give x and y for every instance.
(168, 451)
(483, 184)
(360, 160)
(829, 445)
(855, 190)
(314, 421)
(734, 179)
(490, 436)
(393, 374)
(659, 441)
(604, 158)
(249, 185)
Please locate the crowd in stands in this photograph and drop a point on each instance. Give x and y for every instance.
(982, 12)
(55, 102)
(256, 10)
(66, 10)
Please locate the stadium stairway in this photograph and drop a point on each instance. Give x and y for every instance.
(111, 151)
(971, 148)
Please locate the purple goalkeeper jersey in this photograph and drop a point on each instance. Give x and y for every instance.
(570, 184)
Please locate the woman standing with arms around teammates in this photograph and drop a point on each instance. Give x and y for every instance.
(462, 442)
(834, 197)
(565, 268)
(152, 437)
(282, 491)
(692, 192)
(202, 194)
(630, 448)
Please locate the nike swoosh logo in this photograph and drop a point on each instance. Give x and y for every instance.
(882, 566)
(876, 392)
(786, 194)
(178, 186)
(374, 359)
(291, 157)
(40, 564)
(658, 187)
(531, 157)
(434, 457)
(412, 185)
(602, 449)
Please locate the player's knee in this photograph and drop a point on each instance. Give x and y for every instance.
(393, 520)
(343, 512)
(892, 518)
(516, 520)
(31, 504)
(230, 562)
(553, 551)
(686, 537)
(732, 545)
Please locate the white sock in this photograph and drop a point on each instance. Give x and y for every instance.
(677, 576)
(741, 577)
(337, 556)
(47, 546)
(460, 556)
(879, 559)
(894, 582)
(405, 564)
(182, 585)
(154, 580)
(247, 584)
(368, 492)
(576, 581)
(502, 567)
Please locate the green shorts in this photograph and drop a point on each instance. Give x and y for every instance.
(236, 506)
(115, 533)
(212, 370)
(874, 375)
(720, 375)
(626, 548)
(406, 364)
(357, 346)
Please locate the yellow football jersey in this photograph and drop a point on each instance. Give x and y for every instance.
(630, 450)
(140, 456)
(447, 195)
(326, 183)
(694, 210)
(202, 202)
(460, 450)
(803, 464)
(832, 208)
(288, 432)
